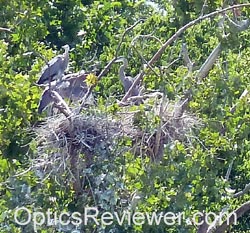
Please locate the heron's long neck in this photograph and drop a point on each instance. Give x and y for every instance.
(122, 72)
(66, 55)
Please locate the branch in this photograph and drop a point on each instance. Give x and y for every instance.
(146, 36)
(204, 7)
(124, 34)
(240, 26)
(61, 104)
(186, 58)
(158, 54)
(207, 65)
(5, 29)
(229, 170)
(159, 131)
(241, 193)
(244, 94)
(238, 213)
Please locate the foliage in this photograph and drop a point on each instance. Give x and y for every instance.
(191, 176)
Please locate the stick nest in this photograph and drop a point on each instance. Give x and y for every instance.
(67, 145)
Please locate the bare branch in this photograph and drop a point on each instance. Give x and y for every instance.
(244, 94)
(124, 34)
(61, 104)
(229, 170)
(146, 36)
(158, 54)
(159, 130)
(145, 61)
(238, 213)
(103, 72)
(5, 29)
(186, 58)
(204, 7)
(207, 65)
(241, 193)
(239, 26)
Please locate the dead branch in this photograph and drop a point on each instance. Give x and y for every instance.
(207, 65)
(61, 104)
(228, 222)
(243, 95)
(146, 36)
(124, 34)
(159, 129)
(5, 29)
(242, 192)
(186, 58)
(229, 170)
(144, 61)
(158, 54)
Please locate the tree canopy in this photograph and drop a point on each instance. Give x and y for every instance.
(184, 150)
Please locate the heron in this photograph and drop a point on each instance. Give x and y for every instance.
(127, 81)
(55, 68)
(72, 87)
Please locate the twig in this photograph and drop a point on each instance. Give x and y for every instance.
(140, 98)
(241, 193)
(217, 220)
(170, 64)
(159, 131)
(146, 36)
(144, 60)
(229, 170)
(5, 29)
(203, 7)
(124, 34)
(244, 94)
(174, 37)
(186, 58)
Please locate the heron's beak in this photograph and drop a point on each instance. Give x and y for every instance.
(66, 47)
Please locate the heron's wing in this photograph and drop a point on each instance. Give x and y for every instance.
(78, 87)
(45, 100)
(73, 88)
(51, 69)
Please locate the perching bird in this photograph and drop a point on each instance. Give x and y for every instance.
(45, 100)
(127, 81)
(55, 68)
(72, 87)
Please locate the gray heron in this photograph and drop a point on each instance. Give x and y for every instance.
(55, 68)
(127, 81)
(72, 87)
(45, 100)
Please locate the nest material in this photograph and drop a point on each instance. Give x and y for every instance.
(90, 133)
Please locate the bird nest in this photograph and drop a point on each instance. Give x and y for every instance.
(65, 145)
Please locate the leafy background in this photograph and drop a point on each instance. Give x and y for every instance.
(188, 178)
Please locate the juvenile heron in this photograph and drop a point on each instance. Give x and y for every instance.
(72, 87)
(127, 81)
(55, 68)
